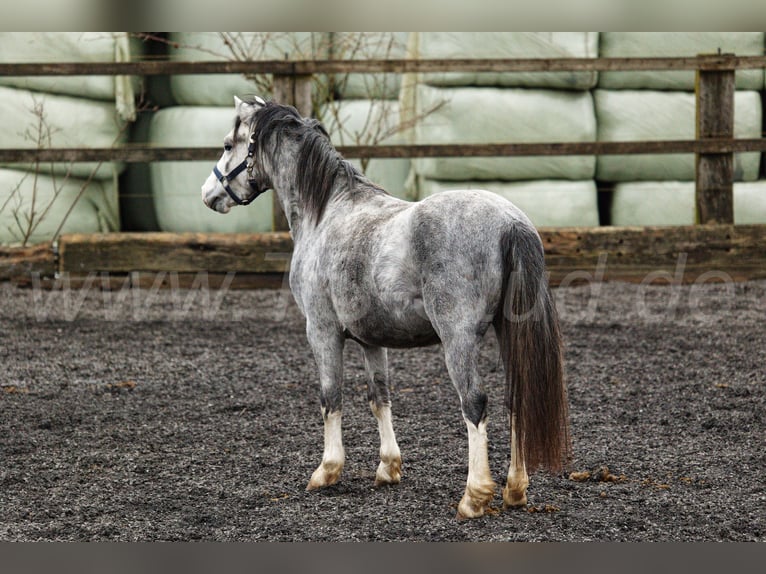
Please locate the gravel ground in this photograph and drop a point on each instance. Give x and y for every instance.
(194, 415)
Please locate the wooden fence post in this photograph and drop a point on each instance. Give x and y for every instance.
(715, 120)
(294, 90)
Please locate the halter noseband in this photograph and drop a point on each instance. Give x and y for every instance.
(245, 164)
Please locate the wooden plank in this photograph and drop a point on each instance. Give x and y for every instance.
(303, 67)
(21, 263)
(144, 154)
(182, 252)
(572, 254)
(714, 193)
(633, 254)
(106, 281)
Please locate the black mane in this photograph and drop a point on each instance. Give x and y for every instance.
(320, 168)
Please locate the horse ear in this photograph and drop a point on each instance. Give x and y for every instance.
(245, 110)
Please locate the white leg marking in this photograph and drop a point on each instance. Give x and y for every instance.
(334, 456)
(390, 468)
(480, 488)
(515, 491)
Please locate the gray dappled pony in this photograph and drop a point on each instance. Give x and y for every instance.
(390, 273)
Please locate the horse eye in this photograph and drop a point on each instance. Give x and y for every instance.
(227, 147)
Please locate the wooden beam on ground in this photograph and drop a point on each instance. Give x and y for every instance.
(574, 255)
(175, 252)
(18, 264)
(682, 254)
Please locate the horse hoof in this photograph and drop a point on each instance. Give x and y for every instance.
(325, 475)
(390, 473)
(475, 501)
(469, 509)
(514, 498)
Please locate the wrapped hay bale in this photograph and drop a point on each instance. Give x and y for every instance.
(486, 115)
(653, 203)
(175, 185)
(36, 208)
(46, 47)
(677, 44)
(368, 46)
(750, 202)
(33, 120)
(673, 203)
(627, 115)
(218, 89)
(460, 45)
(548, 203)
(369, 122)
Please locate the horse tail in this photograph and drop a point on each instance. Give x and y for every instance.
(530, 344)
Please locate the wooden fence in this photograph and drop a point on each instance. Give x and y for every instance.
(684, 253)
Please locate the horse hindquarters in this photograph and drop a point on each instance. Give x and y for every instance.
(530, 343)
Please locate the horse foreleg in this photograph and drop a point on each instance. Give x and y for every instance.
(515, 491)
(390, 467)
(328, 352)
(328, 472)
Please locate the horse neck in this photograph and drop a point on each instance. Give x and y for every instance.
(284, 178)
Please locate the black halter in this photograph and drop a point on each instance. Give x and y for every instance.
(245, 164)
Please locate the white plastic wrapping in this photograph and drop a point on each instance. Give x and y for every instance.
(673, 203)
(32, 208)
(219, 89)
(460, 45)
(510, 115)
(368, 46)
(677, 44)
(548, 203)
(627, 115)
(45, 47)
(34, 120)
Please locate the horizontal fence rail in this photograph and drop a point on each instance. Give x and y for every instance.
(305, 67)
(132, 153)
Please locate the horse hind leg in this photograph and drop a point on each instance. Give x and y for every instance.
(390, 468)
(515, 491)
(461, 355)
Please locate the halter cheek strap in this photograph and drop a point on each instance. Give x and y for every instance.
(245, 164)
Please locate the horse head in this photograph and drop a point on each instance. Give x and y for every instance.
(235, 180)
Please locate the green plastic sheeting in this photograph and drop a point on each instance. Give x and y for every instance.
(33, 207)
(33, 120)
(218, 89)
(509, 115)
(460, 45)
(672, 203)
(674, 45)
(548, 203)
(68, 47)
(627, 115)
